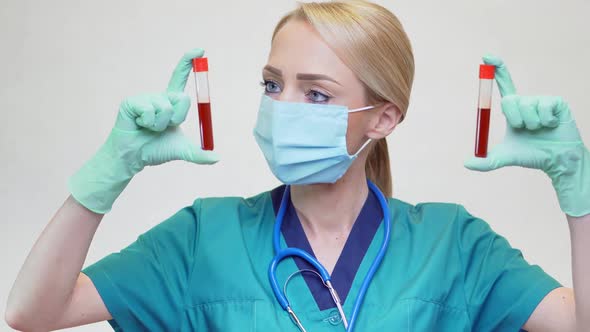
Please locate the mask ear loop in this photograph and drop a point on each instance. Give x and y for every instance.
(369, 140)
(361, 109)
(362, 147)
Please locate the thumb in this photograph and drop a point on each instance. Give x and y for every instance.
(496, 158)
(173, 145)
(194, 154)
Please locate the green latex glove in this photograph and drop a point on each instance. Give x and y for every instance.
(541, 134)
(146, 133)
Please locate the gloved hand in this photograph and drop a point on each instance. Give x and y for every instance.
(146, 133)
(541, 133)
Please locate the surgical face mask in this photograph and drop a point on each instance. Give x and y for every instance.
(304, 143)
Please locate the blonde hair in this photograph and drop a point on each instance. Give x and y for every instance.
(371, 41)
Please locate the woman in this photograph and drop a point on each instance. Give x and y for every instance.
(337, 83)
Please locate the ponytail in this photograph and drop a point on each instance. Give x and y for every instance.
(378, 169)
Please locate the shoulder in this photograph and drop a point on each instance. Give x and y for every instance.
(205, 208)
(434, 218)
(429, 211)
(229, 215)
(425, 212)
(203, 211)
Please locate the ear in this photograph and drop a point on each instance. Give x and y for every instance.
(383, 124)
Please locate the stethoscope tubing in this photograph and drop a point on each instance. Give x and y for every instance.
(281, 254)
(285, 253)
(377, 261)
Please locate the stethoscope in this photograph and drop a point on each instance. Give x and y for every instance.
(281, 254)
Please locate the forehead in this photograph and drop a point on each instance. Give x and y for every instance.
(298, 48)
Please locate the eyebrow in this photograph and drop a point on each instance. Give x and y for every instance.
(316, 77)
(301, 76)
(273, 70)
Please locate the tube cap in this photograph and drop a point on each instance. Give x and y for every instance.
(201, 64)
(487, 71)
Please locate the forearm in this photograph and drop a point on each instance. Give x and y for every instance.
(47, 278)
(580, 241)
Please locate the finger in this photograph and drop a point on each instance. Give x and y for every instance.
(511, 112)
(163, 110)
(528, 111)
(547, 110)
(131, 108)
(146, 115)
(181, 104)
(562, 110)
(503, 78)
(183, 69)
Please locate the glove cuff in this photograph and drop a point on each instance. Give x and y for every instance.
(98, 183)
(572, 184)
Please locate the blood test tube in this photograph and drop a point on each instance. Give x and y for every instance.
(486, 80)
(201, 70)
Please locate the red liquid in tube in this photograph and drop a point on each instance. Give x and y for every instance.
(482, 132)
(206, 126)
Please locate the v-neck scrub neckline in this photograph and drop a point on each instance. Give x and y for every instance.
(361, 235)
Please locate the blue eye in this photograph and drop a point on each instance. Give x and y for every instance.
(317, 97)
(270, 86)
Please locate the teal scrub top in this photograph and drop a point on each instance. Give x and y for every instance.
(205, 269)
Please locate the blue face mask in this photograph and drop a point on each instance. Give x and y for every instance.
(304, 143)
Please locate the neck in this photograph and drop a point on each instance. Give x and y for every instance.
(332, 208)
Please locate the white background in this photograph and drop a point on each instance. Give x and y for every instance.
(66, 65)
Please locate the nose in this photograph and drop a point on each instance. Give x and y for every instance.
(291, 94)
